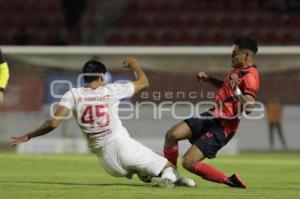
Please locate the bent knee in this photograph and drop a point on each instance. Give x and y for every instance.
(188, 163)
(178, 132)
(171, 135)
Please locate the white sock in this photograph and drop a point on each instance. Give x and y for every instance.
(170, 173)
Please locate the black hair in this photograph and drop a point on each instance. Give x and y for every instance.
(247, 43)
(93, 66)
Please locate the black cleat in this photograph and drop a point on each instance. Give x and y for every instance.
(235, 181)
(146, 179)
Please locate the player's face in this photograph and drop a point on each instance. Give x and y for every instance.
(238, 57)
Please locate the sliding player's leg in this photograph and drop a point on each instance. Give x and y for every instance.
(135, 156)
(169, 177)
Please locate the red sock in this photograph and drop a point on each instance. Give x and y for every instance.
(171, 153)
(208, 172)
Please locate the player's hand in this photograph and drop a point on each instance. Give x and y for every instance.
(18, 140)
(202, 76)
(234, 81)
(130, 63)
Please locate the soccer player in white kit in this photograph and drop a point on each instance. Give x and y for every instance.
(95, 107)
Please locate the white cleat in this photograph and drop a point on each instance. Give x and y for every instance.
(186, 182)
(162, 182)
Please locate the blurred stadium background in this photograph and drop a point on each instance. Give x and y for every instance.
(173, 39)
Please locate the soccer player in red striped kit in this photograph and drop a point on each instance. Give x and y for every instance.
(213, 129)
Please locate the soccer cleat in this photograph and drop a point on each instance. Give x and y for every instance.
(235, 181)
(185, 182)
(146, 179)
(162, 182)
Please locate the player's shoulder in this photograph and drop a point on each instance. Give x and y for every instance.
(252, 69)
(249, 71)
(118, 85)
(75, 90)
(112, 87)
(254, 72)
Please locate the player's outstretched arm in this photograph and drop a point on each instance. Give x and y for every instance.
(141, 81)
(202, 76)
(60, 114)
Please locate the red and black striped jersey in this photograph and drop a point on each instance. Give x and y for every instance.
(227, 103)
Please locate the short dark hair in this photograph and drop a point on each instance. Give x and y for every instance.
(93, 66)
(247, 43)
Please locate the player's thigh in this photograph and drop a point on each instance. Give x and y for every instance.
(135, 156)
(179, 131)
(193, 155)
(110, 161)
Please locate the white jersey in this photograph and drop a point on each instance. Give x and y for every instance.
(96, 110)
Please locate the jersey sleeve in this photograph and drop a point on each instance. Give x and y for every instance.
(250, 84)
(67, 100)
(4, 72)
(123, 90)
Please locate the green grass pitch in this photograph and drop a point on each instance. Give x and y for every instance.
(274, 176)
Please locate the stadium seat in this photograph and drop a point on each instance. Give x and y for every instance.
(37, 16)
(168, 38)
(201, 38)
(235, 6)
(162, 16)
(191, 21)
(158, 21)
(150, 38)
(270, 38)
(289, 38)
(175, 22)
(167, 7)
(210, 21)
(217, 6)
(133, 38)
(226, 21)
(184, 38)
(294, 21)
(181, 7)
(132, 6)
(115, 38)
(198, 6)
(149, 7)
(244, 22)
(39, 39)
(6, 38)
(218, 38)
(278, 21)
(252, 7)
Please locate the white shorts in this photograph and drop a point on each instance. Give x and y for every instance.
(125, 156)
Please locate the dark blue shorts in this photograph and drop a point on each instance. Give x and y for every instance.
(208, 134)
